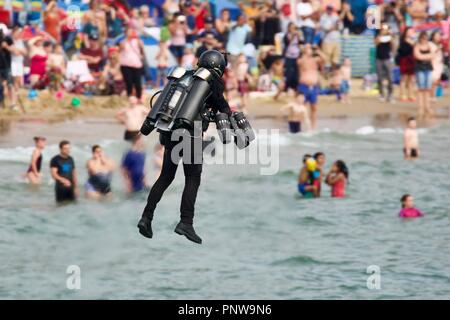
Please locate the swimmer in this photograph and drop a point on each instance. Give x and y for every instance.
(34, 174)
(296, 114)
(408, 210)
(308, 184)
(132, 117)
(337, 178)
(320, 158)
(62, 168)
(411, 140)
(133, 166)
(100, 170)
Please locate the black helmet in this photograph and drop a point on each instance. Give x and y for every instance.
(213, 60)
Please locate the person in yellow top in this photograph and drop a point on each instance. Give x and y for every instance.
(252, 10)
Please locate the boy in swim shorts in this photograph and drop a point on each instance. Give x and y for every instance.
(411, 140)
(308, 179)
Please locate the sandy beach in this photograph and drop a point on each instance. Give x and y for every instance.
(260, 105)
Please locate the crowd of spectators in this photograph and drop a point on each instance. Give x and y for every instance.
(102, 51)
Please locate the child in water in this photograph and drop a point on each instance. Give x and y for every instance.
(337, 178)
(308, 179)
(411, 140)
(296, 114)
(34, 170)
(408, 210)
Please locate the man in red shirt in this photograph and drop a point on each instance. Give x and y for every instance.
(93, 53)
(199, 11)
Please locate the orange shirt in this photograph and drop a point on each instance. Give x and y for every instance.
(51, 25)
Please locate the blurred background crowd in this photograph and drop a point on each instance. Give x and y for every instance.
(105, 47)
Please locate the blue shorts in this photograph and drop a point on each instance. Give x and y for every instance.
(301, 188)
(345, 86)
(177, 51)
(424, 79)
(304, 193)
(310, 92)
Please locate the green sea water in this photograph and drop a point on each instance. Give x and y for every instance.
(260, 239)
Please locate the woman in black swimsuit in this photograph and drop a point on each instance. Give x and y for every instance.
(34, 169)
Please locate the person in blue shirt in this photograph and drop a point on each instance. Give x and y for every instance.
(238, 36)
(358, 9)
(133, 166)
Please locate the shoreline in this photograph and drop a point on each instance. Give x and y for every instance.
(47, 108)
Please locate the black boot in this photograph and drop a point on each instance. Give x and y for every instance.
(188, 231)
(145, 227)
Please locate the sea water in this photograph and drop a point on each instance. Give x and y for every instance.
(261, 240)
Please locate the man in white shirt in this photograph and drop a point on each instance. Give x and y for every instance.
(305, 12)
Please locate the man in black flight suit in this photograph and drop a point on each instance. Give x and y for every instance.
(215, 62)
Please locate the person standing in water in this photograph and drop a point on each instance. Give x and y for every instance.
(411, 140)
(320, 160)
(337, 178)
(308, 184)
(62, 167)
(133, 166)
(100, 169)
(132, 117)
(297, 113)
(408, 210)
(34, 170)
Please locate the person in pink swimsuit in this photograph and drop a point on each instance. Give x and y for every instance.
(408, 210)
(337, 178)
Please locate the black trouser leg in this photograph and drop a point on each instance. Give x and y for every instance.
(137, 82)
(192, 173)
(166, 177)
(126, 73)
(291, 73)
(387, 66)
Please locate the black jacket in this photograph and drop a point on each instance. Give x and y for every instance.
(216, 101)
